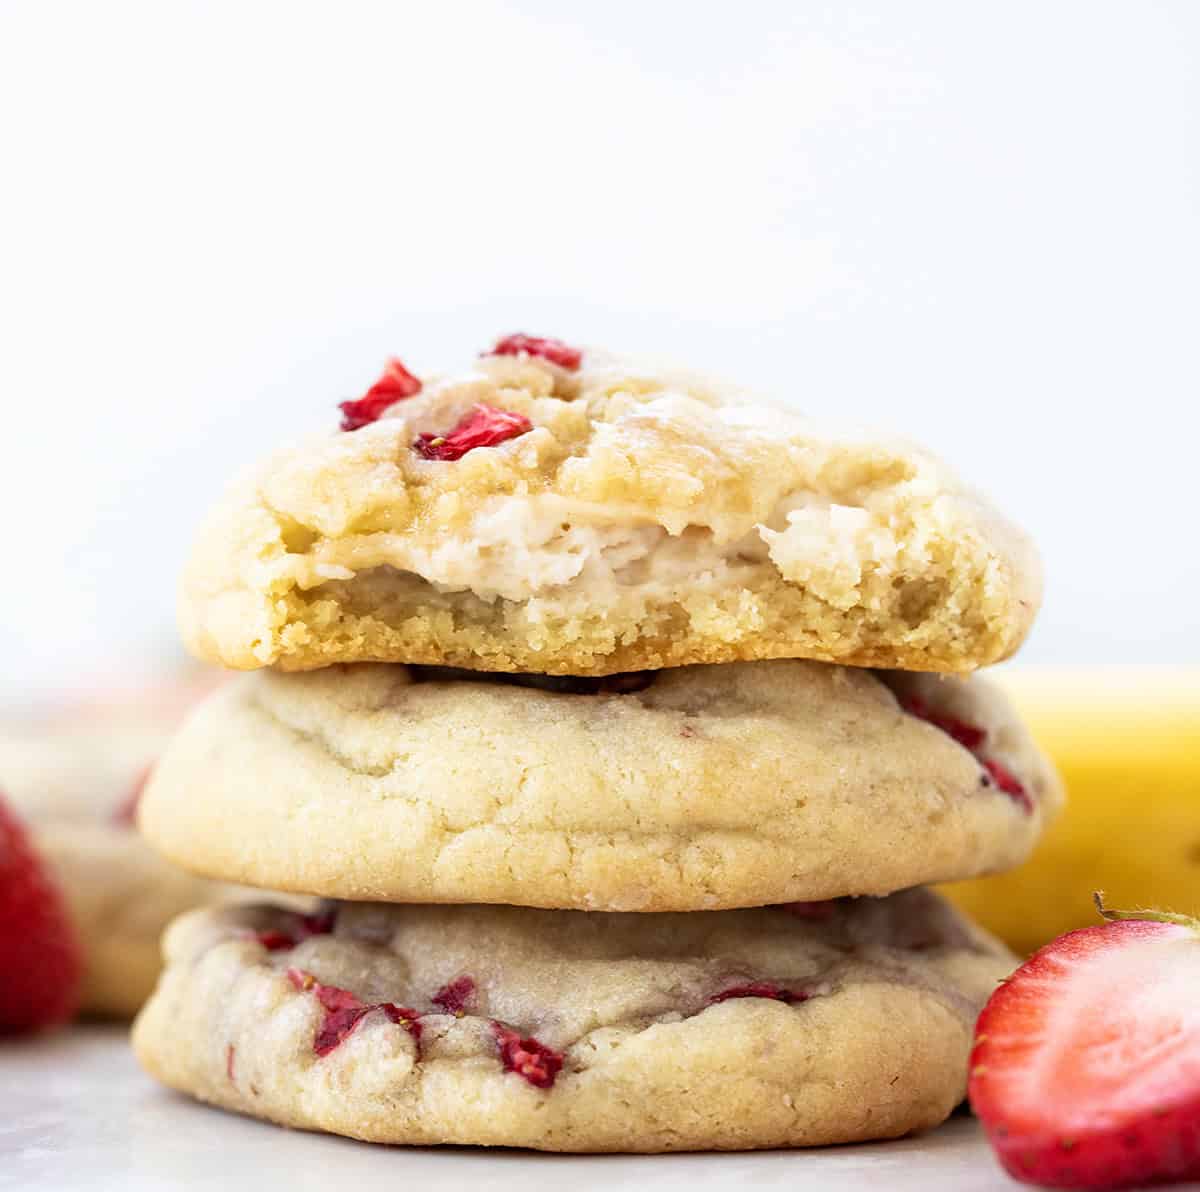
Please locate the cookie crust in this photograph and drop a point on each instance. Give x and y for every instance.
(649, 518)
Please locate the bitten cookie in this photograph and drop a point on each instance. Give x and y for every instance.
(693, 788)
(562, 1031)
(570, 512)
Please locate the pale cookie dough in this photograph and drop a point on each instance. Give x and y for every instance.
(717, 786)
(649, 518)
(563, 1031)
(73, 778)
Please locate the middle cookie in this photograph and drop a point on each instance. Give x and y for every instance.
(696, 788)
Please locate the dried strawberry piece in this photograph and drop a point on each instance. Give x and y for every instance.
(394, 384)
(484, 426)
(275, 941)
(300, 928)
(401, 1016)
(553, 350)
(967, 735)
(767, 989)
(454, 996)
(343, 1012)
(528, 1058)
(972, 738)
(1008, 782)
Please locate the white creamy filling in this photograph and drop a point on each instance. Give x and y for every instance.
(520, 548)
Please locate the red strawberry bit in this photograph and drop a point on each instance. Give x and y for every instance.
(967, 735)
(301, 927)
(453, 998)
(971, 737)
(553, 350)
(401, 1016)
(275, 941)
(529, 1059)
(41, 966)
(484, 426)
(395, 384)
(343, 1012)
(1086, 1066)
(1007, 782)
(767, 989)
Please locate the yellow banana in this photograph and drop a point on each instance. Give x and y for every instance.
(1127, 743)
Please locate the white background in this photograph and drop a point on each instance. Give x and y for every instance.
(972, 221)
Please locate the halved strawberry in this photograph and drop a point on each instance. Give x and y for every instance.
(41, 966)
(1086, 1067)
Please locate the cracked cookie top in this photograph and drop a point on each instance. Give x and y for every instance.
(571, 512)
(687, 789)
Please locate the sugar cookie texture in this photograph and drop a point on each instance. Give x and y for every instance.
(705, 787)
(646, 518)
(570, 1032)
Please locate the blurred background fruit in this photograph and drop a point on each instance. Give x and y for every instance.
(1127, 743)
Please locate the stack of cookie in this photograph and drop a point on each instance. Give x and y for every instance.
(562, 701)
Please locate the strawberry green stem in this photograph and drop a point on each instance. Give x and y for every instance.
(1150, 916)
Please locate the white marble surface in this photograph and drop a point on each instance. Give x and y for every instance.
(76, 1113)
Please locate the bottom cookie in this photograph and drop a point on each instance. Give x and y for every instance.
(799, 1025)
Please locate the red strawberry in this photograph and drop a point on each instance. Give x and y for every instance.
(394, 384)
(1086, 1068)
(41, 966)
(553, 350)
(484, 426)
(529, 1059)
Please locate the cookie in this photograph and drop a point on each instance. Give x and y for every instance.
(562, 1031)
(74, 778)
(584, 515)
(121, 895)
(693, 788)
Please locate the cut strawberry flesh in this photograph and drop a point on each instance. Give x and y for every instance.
(528, 1058)
(553, 350)
(764, 989)
(484, 426)
(1086, 1068)
(395, 384)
